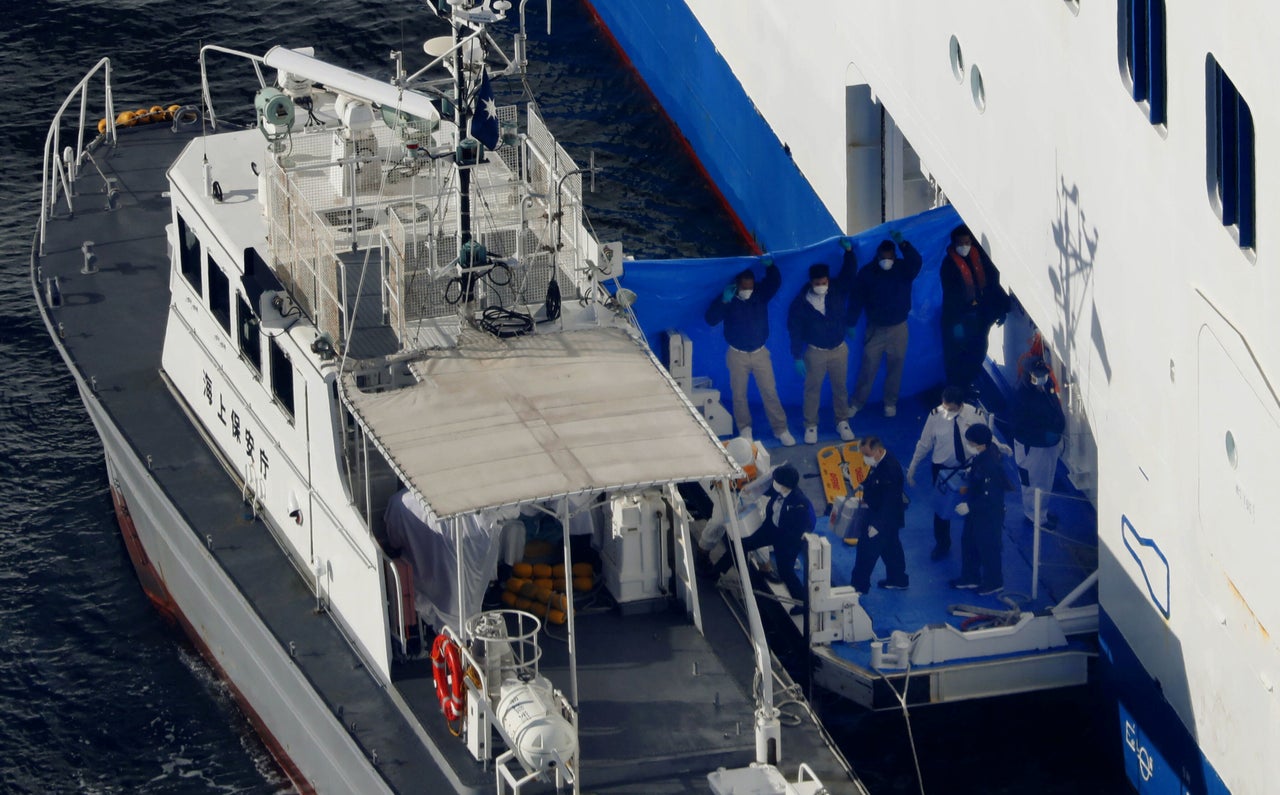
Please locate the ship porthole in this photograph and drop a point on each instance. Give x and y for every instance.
(979, 92)
(1233, 455)
(957, 60)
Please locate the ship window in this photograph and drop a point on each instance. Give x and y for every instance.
(281, 377)
(250, 336)
(219, 294)
(1230, 154)
(1142, 28)
(189, 255)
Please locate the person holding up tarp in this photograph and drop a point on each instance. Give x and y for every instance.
(743, 307)
(818, 321)
(972, 300)
(883, 290)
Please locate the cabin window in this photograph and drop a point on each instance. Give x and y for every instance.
(1230, 155)
(250, 336)
(219, 293)
(281, 377)
(189, 255)
(1142, 28)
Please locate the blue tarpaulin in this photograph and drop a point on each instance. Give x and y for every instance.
(674, 295)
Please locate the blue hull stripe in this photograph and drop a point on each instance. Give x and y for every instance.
(1161, 757)
(735, 146)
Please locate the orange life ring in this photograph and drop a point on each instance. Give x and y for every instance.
(446, 669)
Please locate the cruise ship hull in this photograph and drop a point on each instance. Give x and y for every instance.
(1086, 203)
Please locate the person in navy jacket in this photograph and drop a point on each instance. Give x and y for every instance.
(1038, 423)
(819, 321)
(972, 300)
(981, 541)
(883, 291)
(787, 517)
(883, 521)
(743, 307)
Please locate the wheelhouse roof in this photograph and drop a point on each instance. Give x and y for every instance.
(495, 422)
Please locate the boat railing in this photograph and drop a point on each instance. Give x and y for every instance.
(1039, 531)
(399, 632)
(62, 166)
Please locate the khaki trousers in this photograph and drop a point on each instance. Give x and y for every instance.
(742, 365)
(819, 363)
(890, 343)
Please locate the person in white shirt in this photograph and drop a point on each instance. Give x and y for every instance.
(942, 442)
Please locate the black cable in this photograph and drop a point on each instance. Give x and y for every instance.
(505, 323)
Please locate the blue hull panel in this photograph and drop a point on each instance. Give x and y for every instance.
(735, 146)
(1161, 756)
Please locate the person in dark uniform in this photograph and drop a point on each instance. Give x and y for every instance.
(787, 517)
(1038, 423)
(879, 539)
(972, 300)
(983, 511)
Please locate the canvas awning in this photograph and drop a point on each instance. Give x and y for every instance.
(498, 422)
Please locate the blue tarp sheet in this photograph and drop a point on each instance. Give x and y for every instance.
(674, 295)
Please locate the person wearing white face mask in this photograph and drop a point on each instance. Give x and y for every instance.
(819, 321)
(1038, 423)
(743, 307)
(883, 290)
(972, 300)
(879, 538)
(942, 442)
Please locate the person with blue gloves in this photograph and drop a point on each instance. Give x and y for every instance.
(819, 321)
(743, 307)
(883, 290)
(972, 300)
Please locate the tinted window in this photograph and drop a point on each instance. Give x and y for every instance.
(189, 255)
(281, 378)
(219, 294)
(250, 336)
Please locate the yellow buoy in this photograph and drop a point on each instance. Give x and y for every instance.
(523, 604)
(515, 584)
(543, 582)
(543, 595)
(125, 119)
(557, 570)
(538, 609)
(583, 570)
(102, 126)
(555, 616)
(509, 599)
(524, 570)
(541, 570)
(582, 584)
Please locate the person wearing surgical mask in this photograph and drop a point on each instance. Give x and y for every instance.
(943, 442)
(883, 290)
(972, 301)
(743, 307)
(885, 514)
(819, 321)
(983, 510)
(1038, 423)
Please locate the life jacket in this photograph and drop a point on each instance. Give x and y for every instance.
(975, 278)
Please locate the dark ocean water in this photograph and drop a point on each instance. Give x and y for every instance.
(97, 693)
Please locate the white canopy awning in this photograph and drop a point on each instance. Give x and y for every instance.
(497, 422)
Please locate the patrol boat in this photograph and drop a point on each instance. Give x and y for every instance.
(384, 447)
(1115, 159)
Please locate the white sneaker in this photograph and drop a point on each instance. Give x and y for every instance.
(853, 409)
(846, 433)
(745, 433)
(890, 411)
(787, 439)
(811, 434)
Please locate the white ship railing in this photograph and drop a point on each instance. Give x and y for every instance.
(1038, 530)
(61, 168)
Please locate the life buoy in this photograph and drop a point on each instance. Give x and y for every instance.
(446, 669)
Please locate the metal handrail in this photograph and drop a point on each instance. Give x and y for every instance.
(58, 174)
(1036, 532)
(400, 633)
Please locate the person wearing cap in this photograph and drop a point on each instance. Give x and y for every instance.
(883, 290)
(818, 322)
(983, 512)
(743, 307)
(942, 442)
(1038, 423)
(787, 517)
(879, 539)
(972, 300)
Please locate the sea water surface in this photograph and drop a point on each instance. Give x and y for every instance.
(97, 693)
